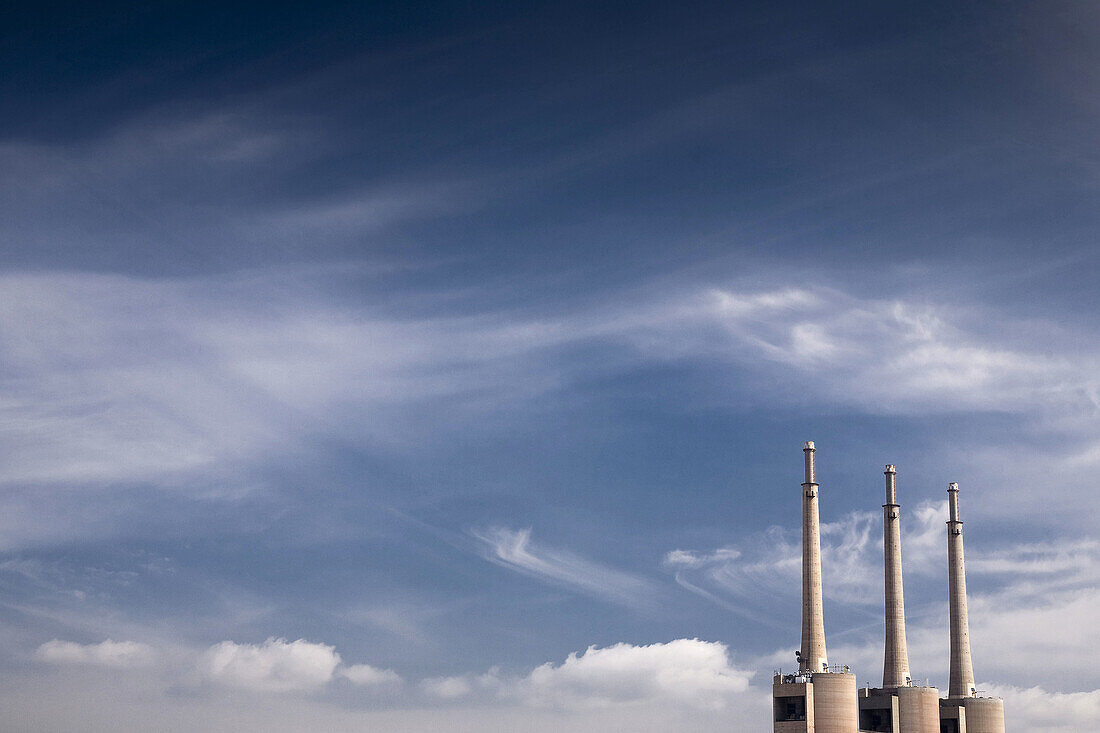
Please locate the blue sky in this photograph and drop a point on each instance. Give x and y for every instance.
(375, 366)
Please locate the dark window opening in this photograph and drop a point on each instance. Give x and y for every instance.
(790, 708)
(876, 720)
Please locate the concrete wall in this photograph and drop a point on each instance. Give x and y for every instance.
(952, 716)
(836, 703)
(791, 726)
(782, 690)
(984, 714)
(919, 709)
(878, 711)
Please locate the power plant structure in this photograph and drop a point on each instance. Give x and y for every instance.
(823, 698)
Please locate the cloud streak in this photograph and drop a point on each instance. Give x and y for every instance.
(513, 549)
(109, 653)
(192, 383)
(160, 358)
(1027, 600)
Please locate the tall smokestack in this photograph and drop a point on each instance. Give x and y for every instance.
(895, 670)
(812, 655)
(962, 669)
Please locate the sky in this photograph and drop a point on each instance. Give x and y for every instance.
(401, 366)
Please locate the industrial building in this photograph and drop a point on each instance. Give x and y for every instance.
(823, 698)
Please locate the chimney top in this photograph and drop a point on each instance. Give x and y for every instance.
(809, 445)
(952, 486)
(890, 468)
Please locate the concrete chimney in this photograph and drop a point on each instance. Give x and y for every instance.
(895, 669)
(962, 669)
(812, 655)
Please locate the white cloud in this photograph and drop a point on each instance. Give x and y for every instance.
(109, 653)
(687, 672)
(276, 665)
(147, 175)
(1072, 561)
(186, 382)
(513, 549)
(1036, 709)
(1028, 600)
(96, 704)
(273, 666)
(851, 550)
(896, 357)
(460, 686)
(624, 686)
(691, 559)
(448, 688)
(368, 676)
(160, 374)
(684, 671)
(769, 566)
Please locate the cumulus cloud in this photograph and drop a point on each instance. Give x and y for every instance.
(368, 676)
(109, 653)
(102, 705)
(276, 665)
(687, 675)
(513, 549)
(685, 672)
(459, 686)
(688, 672)
(1036, 709)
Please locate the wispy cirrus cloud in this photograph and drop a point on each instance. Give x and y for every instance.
(1023, 596)
(769, 566)
(626, 267)
(692, 559)
(109, 653)
(143, 182)
(162, 360)
(189, 382)
(852, 560)
(514, 549)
